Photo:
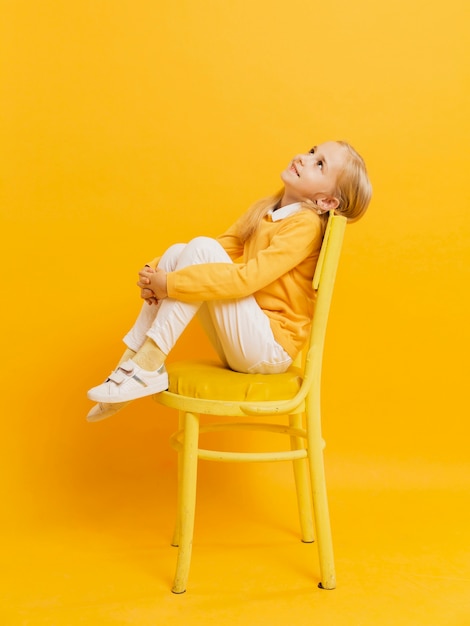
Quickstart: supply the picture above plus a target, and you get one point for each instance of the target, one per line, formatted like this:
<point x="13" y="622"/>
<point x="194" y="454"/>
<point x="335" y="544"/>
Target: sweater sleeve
<point x="296" y="238"/>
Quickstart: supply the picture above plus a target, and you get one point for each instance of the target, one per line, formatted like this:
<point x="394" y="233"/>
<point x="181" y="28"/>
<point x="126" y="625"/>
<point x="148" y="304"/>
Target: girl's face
<point x="313" y="176"/>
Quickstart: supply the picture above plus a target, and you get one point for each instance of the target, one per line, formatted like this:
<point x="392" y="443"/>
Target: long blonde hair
<point x="353" y="191"/>
<point x="353" y="188"/>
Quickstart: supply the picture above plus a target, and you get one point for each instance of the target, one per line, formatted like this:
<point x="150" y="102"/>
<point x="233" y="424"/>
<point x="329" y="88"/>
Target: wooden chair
<point x="210" y="389"/>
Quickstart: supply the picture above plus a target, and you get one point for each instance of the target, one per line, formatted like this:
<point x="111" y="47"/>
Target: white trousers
<point x="238" y="329"/>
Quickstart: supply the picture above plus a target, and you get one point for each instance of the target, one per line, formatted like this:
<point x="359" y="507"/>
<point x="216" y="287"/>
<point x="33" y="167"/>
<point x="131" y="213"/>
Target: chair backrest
<point x="323" y="284"/>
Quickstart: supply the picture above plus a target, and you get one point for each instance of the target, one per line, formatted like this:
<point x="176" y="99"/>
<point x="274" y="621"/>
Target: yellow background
<point x="127" y="126"/>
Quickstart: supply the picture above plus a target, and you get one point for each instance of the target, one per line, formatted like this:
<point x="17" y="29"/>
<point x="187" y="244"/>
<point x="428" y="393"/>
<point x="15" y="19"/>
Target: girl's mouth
<point x="294" y="169"/>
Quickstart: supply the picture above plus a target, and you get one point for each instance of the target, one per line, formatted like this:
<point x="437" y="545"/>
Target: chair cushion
<point x="213" y="381"/>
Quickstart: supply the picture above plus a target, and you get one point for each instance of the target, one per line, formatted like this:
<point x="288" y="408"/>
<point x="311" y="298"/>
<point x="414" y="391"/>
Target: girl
<point x="251" y="287"/>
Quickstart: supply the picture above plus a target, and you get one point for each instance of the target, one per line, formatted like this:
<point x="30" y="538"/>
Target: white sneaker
<point x="102" y="410"/>
<point x="130" y="382"/>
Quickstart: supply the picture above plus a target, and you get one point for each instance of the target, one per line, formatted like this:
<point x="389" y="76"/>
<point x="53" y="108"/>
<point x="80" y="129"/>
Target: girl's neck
<point x="285" y="200"/>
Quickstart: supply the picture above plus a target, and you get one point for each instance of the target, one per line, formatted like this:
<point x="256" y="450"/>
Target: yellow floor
<point x="401" y="537"/>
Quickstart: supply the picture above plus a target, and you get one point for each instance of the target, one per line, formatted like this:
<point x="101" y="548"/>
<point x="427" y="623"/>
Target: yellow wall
<point x="128" y="125"/>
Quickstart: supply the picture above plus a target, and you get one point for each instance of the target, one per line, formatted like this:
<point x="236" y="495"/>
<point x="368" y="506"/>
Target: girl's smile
<point x="294" y="169"/>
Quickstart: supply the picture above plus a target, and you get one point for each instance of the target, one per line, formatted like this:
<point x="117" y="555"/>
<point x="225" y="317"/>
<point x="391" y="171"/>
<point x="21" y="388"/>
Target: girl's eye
<point x="319" y="162"/>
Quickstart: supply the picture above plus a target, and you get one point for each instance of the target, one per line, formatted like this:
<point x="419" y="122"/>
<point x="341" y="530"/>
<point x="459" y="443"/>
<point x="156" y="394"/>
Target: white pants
<point x="238" y="329"/>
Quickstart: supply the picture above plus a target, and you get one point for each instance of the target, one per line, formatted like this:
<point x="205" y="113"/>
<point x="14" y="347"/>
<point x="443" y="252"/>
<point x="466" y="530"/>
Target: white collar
<point x="285" y="211"/>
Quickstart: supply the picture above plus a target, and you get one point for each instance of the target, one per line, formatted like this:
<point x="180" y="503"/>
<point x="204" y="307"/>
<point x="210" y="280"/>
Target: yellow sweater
<point x="276" y="265"/>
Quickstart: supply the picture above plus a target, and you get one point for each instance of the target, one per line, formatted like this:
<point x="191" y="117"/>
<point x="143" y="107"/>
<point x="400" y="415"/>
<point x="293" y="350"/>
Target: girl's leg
<point x="135" y="338"/>
<point x="173" y="315"/>
<point x="132" y="380"/>
<point x="241" y="334"/>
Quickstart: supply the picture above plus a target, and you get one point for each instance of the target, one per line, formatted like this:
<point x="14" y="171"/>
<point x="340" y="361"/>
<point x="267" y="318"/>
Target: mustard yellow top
<point x="276" y="265"/>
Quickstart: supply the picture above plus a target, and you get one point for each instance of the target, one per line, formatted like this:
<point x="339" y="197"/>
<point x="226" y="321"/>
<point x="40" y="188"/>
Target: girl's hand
<point x="148" y="296"/>
<point x="153" y="280"/>
<point x="145" y="292"/>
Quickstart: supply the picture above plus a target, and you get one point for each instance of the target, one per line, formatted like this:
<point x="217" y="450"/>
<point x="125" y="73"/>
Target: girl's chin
<point x="287" y="175"/>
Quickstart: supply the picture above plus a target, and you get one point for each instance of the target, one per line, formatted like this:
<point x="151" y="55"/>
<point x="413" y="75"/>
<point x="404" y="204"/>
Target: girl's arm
<point x="298" y="237"/>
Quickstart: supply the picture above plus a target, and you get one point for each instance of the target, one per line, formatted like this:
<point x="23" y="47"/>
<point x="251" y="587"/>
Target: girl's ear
<point x="328" y="203"/>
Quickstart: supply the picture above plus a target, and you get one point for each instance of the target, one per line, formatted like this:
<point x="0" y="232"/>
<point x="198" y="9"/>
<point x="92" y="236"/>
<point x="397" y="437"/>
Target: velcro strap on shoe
<point x="119" y="376"/>
<point x="127" y="366"/>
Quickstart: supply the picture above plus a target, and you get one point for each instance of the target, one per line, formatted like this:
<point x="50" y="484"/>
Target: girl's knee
<point x="204" y="242"/>
<point x="170" y="257"/>
<point x="206" y="249"/>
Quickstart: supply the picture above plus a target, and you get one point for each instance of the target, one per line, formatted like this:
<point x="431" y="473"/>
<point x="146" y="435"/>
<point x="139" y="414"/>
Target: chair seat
<point x="212" y="381"/>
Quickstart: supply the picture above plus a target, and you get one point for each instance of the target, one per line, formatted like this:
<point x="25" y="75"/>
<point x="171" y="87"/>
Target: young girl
<point x="251" y="287"/>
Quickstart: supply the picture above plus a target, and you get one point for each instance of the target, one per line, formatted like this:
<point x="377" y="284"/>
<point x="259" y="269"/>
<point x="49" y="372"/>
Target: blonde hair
<point x="353" y="191"/>
<point x="353" y="188"/>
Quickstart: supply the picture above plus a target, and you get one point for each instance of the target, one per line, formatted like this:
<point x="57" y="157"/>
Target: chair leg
<point x="302" y="484"/>
<point x="320" y="505"/>
<point x="187" y="500"/>
<point x="176" y="531"/>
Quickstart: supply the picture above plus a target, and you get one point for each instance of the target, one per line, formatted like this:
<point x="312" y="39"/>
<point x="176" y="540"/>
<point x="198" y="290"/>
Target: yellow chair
<point x="210" y="389"/>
